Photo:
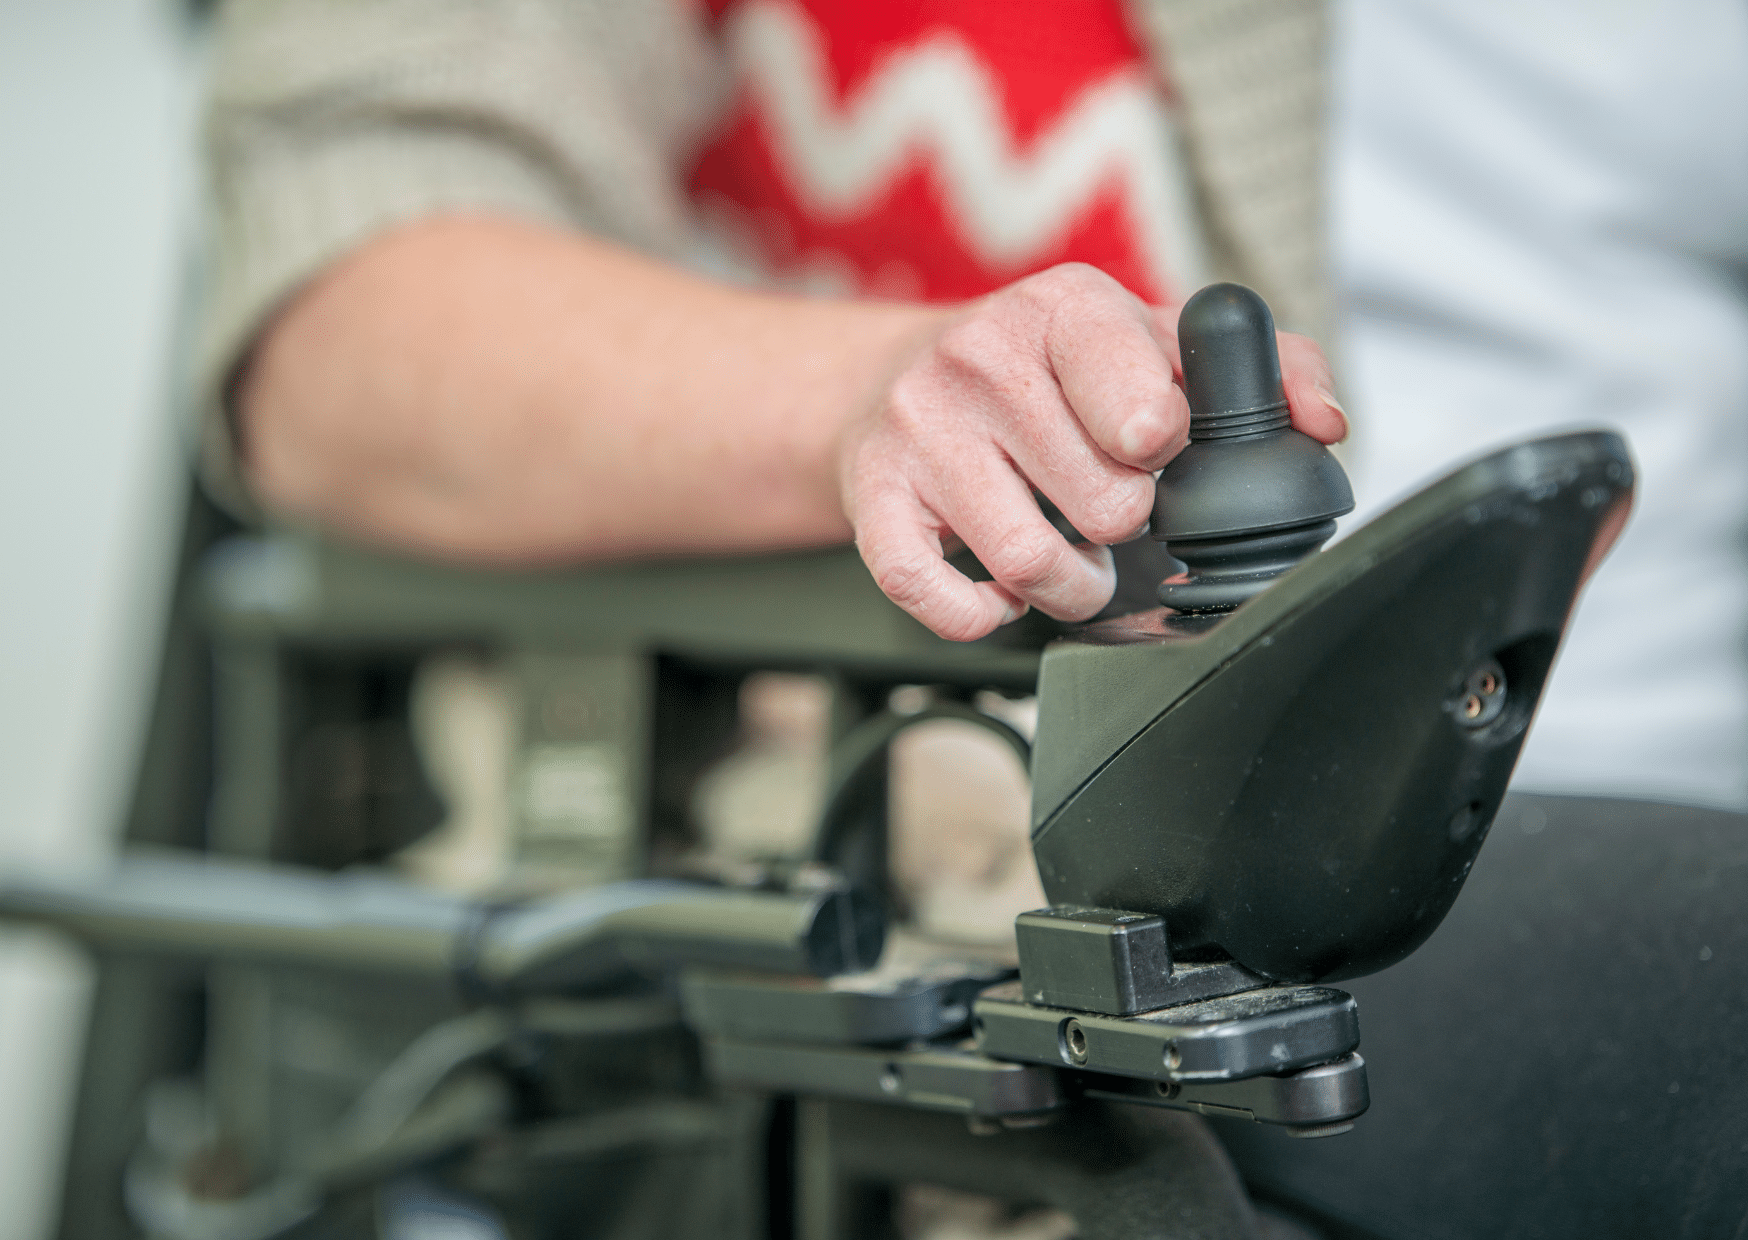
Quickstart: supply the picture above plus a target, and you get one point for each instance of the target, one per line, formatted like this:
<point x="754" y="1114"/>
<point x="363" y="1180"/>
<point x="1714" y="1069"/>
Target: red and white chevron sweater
<point x="938" y="149"/>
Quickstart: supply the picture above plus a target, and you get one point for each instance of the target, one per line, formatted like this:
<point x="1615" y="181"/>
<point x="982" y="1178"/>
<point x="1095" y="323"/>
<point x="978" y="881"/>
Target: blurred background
<point x="97" y="105"/>
<point x="1529" y="232"/>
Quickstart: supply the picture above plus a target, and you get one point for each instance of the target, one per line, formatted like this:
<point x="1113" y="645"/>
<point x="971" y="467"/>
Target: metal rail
<point x="199" y="908"/>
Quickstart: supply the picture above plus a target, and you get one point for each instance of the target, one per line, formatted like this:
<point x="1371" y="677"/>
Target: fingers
<point x="1311" y="389"/>
<point x="1305" y="375"/>
<point x="991" y="508"/>
<point x="903" y="553"/>
<point x="1106" y="500"/>
<point x="1064" y="382"/>
<point x="992" y="511"/>
<point x="1162" y="321"/>
<point x="1062" y="375"/>
<point x="1100" y="345"/>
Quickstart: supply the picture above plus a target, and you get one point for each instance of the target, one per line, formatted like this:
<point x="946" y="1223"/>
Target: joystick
<point x="1249" y="497"/>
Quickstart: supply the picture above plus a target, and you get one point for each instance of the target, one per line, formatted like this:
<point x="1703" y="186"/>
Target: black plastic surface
<point x="1319" y="1101"/>
<point x="1094" y="959"/>
<point x="946" y="1077"/>
<point x="1260" y="1031"/>
<point x="1567" y="1058"/>
<point x="1296" y="785"/>
<point x="935" y="1078"/>
<point x="1109" y="961"/>
<point x="866" y="1008"/>
<point x="1249" y="497"/>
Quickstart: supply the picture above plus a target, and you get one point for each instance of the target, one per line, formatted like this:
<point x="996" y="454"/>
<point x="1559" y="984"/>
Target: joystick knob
<point x="1249" y="497"/>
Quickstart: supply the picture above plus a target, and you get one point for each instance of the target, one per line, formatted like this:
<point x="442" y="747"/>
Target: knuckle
<point x="1159" y="439"/>
<point x="1152" y="440"/>
<point x="910" y="582"/>
<point x="1028" y="560"/>
<point x="1116" y="511"/>
<point x="1070" y="279"/>
<point x="1081" y="306"/>
<point x="908" y="402"/>
<point x="977" y="345"/>
<point x="903" y="579"/>
<point x="1043" y="291"/>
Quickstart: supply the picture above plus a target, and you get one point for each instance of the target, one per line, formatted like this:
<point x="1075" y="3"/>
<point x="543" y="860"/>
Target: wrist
<point x="891" y="338"/>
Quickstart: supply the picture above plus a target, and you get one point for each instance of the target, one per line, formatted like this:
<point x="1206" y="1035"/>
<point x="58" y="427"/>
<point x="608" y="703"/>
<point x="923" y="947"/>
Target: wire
<point x="854" y="756"/>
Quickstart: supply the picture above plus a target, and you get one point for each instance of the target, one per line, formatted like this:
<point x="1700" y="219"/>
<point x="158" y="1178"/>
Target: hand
<point x="1063" y="383"/>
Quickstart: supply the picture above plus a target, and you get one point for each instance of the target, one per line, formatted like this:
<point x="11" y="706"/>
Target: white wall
<point x="95" y="134"/>
<point x="1541" y="224"/>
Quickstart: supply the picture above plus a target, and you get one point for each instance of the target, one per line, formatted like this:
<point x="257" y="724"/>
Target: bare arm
<point x="495" y="391"/>
<point x="486" y="390"/>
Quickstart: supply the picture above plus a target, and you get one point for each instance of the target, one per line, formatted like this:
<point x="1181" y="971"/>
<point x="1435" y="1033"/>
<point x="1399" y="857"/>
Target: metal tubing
<point x="639" y="926"/>
<point x="200" y="908"/>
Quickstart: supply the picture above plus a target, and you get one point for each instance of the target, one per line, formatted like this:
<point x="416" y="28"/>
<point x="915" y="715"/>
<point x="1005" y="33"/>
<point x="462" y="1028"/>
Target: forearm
<point x="477" y="389"/>
<point x="486" y="390"/>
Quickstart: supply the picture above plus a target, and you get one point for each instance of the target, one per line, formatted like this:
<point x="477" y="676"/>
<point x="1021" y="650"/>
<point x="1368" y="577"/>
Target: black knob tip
<point x="1232" y="369"/>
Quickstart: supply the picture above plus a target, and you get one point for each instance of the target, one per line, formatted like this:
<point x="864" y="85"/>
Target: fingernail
<point x="1328" y="398"/>
<point x="1014" y="612"/>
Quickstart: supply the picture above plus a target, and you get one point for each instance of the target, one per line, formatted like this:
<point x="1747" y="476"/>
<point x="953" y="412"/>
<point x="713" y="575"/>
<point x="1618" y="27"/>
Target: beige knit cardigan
<point x="332" y="120"/>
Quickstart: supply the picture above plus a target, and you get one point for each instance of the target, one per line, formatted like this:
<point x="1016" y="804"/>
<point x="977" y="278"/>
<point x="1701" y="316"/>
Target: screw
<point x="891" y="1079"/>
<point x="1074" y="1040"/>
<point x="1174" y="1058"/>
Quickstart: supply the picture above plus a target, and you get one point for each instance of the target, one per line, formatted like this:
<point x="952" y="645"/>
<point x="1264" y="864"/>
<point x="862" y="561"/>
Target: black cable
<point x="867" y="743"/>
<point x="472" y="987"/>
